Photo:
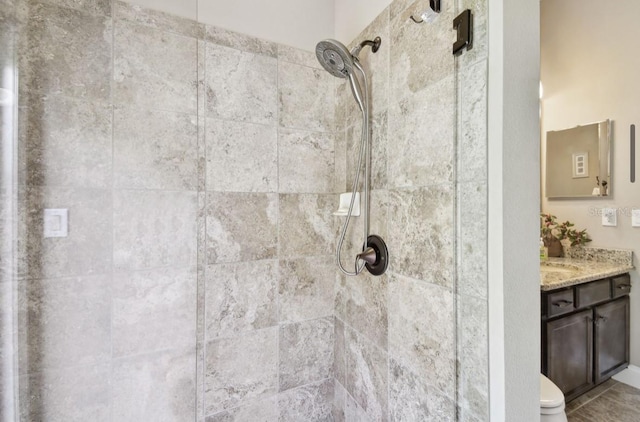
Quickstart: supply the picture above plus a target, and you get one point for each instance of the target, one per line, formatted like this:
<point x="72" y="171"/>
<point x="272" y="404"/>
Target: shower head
<point x="335" y="58"/>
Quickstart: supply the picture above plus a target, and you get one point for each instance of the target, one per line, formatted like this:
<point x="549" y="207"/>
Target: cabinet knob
<point x="624" y="286"/>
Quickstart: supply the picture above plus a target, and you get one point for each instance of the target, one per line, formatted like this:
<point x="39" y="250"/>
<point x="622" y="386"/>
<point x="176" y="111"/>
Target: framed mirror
<point x="578" y="162"/>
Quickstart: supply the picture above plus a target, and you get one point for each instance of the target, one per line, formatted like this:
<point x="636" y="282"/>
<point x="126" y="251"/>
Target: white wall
<point x="296" y="23"/>
<point x="352" y="16"/>
<point x="590" y="72"/>
<point x="514" y="271"/>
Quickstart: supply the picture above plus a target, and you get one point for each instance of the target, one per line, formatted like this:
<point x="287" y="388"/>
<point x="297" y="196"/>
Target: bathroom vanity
<point x="585" y="320"/>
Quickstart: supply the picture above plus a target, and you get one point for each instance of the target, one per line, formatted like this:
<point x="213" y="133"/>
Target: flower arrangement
<point x="550" y="228"/>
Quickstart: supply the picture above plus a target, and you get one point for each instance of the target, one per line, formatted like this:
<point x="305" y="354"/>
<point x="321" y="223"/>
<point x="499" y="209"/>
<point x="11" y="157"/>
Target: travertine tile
<point x="154" y="69"/>
<point x="347" y="114"/>
<point x="241" y="86"/>
<point x="423" y="337"/>
<point x="367" y="376"/>
<point x="411" y="399"/>
<point x="339" y="352"/>
<point x="67" y="52"/>
<point x="81" y="394"/>
<point x="306" y="161"/>
<point x="241" y="226"/>
<point x="340" y="154"/>
<point x="472" y="123"/>
<point x="366" y="307"/>
<point x="93" y="7"/>
<point x="158" y="387"/>
<point x="472" y="239"/>
<point x="146" y="303"/>
<point x="76" y="153"/>
<point x="306" y="98"/>
<point x="420" y="54"/>
<point x="306" y="224"/>
<point x="239" y="41"/>
<point x="260" y="411"/>
<point x="241" y="369"/>
<point x="376" y="64"/>
<point x="158" y="20"/>
<point x="297" y="56"/>
<point x="423" y="125"/>
<point x="339" y="402"/>
<point x="345" y="409"/>
<point x="306" y="352"/>
<point x="421" y="233"/>
<point x="311" y="402"/>
<point x="154" y="229"/>
<point x="154" y="150"/>
<point x="240" y="297"/>
<point x="89" y="218"/>
<point x="479" y="10"/>
<point x="306" y="289"/>
<point x="473" y="356"/>
<point x="241" y="157"/>
<point x="66" y="322"/>
<point x="379" y="153"/>
<point x="398" y="6"/>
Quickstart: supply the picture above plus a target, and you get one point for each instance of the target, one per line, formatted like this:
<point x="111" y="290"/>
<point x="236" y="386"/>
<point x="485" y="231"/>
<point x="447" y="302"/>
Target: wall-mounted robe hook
<point x="429" y="15"/>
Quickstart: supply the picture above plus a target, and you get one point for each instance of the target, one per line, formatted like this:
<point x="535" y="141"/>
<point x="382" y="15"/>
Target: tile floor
<point x="611" y="401"/>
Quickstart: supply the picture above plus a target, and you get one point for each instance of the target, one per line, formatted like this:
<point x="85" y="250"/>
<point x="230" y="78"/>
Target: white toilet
<point x="551" y="402"/>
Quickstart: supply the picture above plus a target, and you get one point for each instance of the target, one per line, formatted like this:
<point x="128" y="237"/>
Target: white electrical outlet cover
<point x="635" y="218"/>
<point x="609" y="217"/>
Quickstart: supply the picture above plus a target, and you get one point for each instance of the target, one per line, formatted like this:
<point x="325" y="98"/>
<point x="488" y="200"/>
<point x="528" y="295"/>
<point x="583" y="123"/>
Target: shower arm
<point x="375" y="45"/>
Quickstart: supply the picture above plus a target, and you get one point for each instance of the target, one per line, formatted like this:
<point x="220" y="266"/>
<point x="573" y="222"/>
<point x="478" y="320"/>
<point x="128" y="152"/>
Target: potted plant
<point x="556" y="235"/>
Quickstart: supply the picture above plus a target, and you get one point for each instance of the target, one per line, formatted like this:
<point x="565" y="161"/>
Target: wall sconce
<point x="430" y="14"/>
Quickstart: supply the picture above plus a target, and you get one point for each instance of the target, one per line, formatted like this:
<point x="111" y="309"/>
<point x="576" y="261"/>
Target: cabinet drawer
<point x="620" y="285"/>
<point x="594" y="292"/>
<point x="559" y="303"/>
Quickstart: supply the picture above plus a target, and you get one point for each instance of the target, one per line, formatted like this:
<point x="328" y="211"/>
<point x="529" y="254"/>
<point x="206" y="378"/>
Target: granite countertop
<point x="582" y="266"/>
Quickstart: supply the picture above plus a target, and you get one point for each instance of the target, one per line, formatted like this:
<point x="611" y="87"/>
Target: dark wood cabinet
<point x="611" y="338"/>
<point x="585" y="334"/>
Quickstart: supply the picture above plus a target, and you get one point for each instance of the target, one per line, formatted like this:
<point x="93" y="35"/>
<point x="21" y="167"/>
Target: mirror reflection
<point x="579" y="161"/>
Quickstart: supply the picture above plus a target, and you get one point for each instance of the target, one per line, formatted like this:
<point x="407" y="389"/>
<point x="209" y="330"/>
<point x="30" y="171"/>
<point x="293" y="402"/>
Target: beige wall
<point x="590" y="74"/>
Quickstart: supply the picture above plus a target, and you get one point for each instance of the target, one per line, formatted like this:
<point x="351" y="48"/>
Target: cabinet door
<point x="570" y="353"/>
<point x="611" y="338"/>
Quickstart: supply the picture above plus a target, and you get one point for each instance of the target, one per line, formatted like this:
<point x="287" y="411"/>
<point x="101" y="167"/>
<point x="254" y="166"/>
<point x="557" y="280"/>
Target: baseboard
<point x="630" y="376"/>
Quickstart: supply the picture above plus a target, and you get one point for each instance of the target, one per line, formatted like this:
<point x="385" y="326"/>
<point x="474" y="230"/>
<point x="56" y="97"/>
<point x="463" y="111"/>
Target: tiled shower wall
<point x="198" y="168"/>
<point x="412" y="345"/>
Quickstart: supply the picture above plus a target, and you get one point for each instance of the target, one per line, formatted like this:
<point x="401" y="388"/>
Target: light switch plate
<point x="609" y="217"/>
<point x="56" y="222"/>
<point x="635" y="218"/>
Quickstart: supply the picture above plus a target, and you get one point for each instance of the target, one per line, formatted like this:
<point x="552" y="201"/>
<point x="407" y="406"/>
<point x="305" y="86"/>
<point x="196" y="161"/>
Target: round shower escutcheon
<point x="382" y="255"/>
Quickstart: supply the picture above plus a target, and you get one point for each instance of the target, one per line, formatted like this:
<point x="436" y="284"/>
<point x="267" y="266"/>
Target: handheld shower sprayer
<point x="338" y="61"/>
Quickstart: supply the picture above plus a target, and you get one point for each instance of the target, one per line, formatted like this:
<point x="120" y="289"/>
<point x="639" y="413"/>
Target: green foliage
<point x="549" y="227"/>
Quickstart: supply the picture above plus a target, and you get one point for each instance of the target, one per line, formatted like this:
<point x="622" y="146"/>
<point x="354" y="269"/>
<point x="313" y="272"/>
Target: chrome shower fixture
<point x="342" y="63"/>
<point x="430" y="14"/>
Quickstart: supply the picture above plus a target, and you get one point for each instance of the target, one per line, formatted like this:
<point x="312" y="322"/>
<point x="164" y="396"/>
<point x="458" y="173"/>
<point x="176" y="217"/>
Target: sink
<point x="546" y="269"/>
<point x="558" y="267"/>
